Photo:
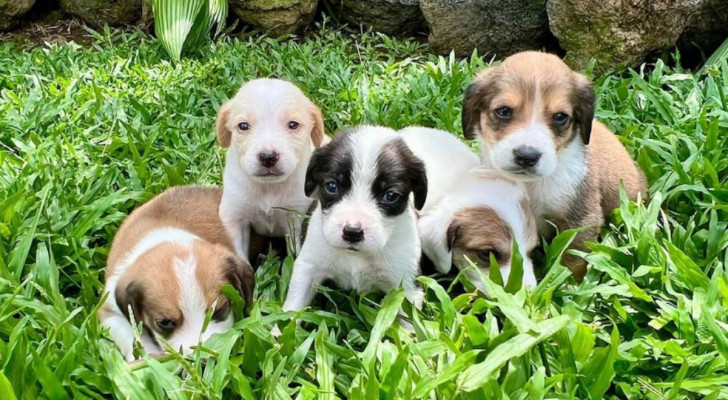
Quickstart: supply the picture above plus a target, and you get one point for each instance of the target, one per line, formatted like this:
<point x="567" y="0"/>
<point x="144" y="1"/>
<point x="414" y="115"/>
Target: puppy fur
<point x="167" y="263"/>
<point x="270" y="129"/>
<point x="469" y="212"/>
<point x="363" y="233"/>
<point x="534" y="117"/>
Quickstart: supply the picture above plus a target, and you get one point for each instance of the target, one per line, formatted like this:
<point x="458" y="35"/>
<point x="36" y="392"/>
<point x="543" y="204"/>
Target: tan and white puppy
<point x="469" y="212"/>
<point x="270" y="129"/>
<point x="534" y="117"/>
<point x="167" y="263"/>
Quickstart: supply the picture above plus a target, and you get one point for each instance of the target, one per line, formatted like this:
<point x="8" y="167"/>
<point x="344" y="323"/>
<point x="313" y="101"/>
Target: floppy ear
<point x="452" y="234"/>
<point x="418" y="180"/>
<point x="241" y="277"/>
<point x="223" y="133"/>
<point x="584" y="101"/>
<point x="313" y="171"/>
<point x="317" y="132"/>
<point x="130" y="296"/>
<point x="476" y="100"/>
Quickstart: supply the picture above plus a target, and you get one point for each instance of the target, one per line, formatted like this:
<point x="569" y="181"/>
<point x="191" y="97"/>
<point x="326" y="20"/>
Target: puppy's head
<point x="527" y="111"/>
<point x="363" y="180"/>
<point x="170" y="288"/>
<point x="272" y="125"/>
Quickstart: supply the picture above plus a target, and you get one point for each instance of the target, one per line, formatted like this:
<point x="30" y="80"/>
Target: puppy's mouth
<point x="528" y="174"/>
<point x="266" y="174"/>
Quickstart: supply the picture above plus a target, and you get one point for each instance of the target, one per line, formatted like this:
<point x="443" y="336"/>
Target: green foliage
<point x="186" y="24"/>
<point x="87" y="134"/>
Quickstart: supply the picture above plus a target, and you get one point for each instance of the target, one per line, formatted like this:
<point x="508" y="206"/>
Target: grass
<point x="87" y="134"/>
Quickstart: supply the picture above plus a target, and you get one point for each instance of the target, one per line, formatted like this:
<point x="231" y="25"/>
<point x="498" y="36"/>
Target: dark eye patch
<point x="393" y="167"/>
<point x="333" y="162"/>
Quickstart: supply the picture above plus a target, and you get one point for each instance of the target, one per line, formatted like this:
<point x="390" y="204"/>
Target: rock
<point x="617" y="33"/>
<point x="97" y="13"/>
<point x="386" y="16"/>
<point x="707" y="28"/>
<point x="495" y="27"/>
<point x="11" y="11"/>
<point x="278" y="17"/>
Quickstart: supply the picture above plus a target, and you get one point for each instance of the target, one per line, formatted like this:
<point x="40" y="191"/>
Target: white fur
<point x="456" y="181"/>
<point x="387" y="257"/>
<point x="264" y="202"/>
<point x="191" y="301"/>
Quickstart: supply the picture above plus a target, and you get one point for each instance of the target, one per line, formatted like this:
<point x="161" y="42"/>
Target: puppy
<point x="363" y="233"/>
<point x="535" y="119"/>
<point x="167" y="264"/>
<point x="270" y="128"/>
<point x="470" y="213"/>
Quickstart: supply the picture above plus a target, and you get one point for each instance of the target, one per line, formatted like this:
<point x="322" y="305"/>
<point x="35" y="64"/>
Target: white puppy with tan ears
<point x="363" y="232"/>
<point x="469" y="212"/>
<point x="535" y="119"/>
<point x="166" y="266"/>
<point x="271" y="128"/>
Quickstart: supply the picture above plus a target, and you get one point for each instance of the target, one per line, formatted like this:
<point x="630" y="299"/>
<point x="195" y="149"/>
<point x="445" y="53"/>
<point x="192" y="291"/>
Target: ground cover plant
<point x="87" y="134"/>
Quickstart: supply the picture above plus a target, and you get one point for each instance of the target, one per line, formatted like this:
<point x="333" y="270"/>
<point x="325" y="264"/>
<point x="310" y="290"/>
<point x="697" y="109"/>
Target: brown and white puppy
<point x="470" y="213"/>
<point x="270" y="129"/>
<point x="534" y="117"/>
<point x="167" y="263"/>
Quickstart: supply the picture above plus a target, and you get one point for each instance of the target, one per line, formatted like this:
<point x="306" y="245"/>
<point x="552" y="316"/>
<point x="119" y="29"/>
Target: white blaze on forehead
<point x="192" y="303"/>
<point x="367" y="144"/>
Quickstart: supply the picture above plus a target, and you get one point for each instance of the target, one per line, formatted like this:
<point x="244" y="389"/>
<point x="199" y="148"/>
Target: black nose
<point x="353" y="233"/>
<point x="526" y="156"/>
<point x="268" y="159"/>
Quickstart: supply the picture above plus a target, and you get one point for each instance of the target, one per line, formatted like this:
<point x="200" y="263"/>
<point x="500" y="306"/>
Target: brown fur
<point x="534" y="77"/>
<point x="477" y="229"/>
<point x="149" y="285"/>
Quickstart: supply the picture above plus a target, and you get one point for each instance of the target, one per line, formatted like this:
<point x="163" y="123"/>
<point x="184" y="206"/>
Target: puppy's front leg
<point x="239" y="233"/>
<point x="302" y="289"/>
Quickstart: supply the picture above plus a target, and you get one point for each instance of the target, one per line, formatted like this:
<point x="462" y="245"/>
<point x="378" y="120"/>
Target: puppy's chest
<point x="360" y="273"/>
<point x="274" y="215"/>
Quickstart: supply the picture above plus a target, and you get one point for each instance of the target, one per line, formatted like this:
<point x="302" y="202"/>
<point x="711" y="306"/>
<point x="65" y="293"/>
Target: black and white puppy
<point x="363" y="233"/>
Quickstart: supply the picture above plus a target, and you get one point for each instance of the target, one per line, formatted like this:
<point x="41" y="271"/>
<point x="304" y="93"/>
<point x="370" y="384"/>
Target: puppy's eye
<point x="166" y="324"/>
<point x="331" y="187"/>
<point x="504" y="112"/>
<point x="485" y="254"/>
<point x="293" y="125"/>
<point x="560" y="118"/>
<point x="391" y="196"/>
<point x="243" y="126"/>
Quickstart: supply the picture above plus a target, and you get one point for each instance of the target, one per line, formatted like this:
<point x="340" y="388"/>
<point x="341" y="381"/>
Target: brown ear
<point x="130" y="296"/>
<point x="223" y="133"/>
<point x="477" y="100"/>
<point x="317" y="132"/>
<point x="584" y="101"/>
<point x="452" y="234"/>
<point x="241" y="276"/>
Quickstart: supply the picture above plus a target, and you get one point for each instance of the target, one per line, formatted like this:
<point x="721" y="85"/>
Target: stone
<point x="277" y="17"/>
<point x="617" y="33"/>
<point x="494" y="27"/>
<point x="98" y="13"/>
<point x="706" y="30"/>
<point x="386" y="16"/>
<point x="11" y="12"/>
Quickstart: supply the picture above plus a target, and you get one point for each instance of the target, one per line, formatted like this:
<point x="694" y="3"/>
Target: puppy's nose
<point x="353" y="233"/>
<point x="268" y="159"/>
<point x="526" y="156"/>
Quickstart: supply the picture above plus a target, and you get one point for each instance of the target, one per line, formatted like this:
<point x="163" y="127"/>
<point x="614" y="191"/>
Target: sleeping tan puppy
<point x="167" y="263"/>
<point x="270" y="129"/>
<point x="534" y="117"/>
<point x="470" y="214"/>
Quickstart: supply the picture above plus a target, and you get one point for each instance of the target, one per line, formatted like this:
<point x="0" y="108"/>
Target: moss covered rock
<point x="617" y="33"/>
<point x="278" y="17"/>
<point x="386" y="16"/>
<point x="97" y="13"/>
<point x="11" y="11"/>
<point x="494" y="27"/>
